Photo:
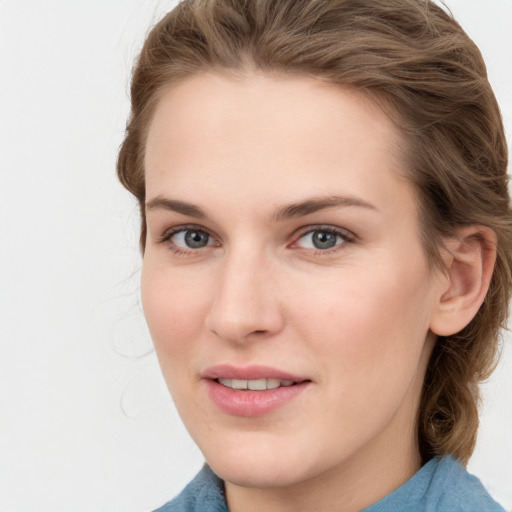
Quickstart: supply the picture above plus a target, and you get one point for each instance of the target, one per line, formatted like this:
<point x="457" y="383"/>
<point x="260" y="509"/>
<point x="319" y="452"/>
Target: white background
<point x="85" y="421"/>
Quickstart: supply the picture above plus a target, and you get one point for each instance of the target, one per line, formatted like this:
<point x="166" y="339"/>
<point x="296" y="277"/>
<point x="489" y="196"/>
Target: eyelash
<point x="167" y="238"/>
<point x="345" y="235"/>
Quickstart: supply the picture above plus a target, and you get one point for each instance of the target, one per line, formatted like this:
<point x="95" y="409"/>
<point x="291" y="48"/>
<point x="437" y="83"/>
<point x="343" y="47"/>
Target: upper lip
<point x="253" y="372"/>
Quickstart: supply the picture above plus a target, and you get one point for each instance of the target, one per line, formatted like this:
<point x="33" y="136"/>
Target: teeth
<point x="255" y="385"/>
<point x="272" y="383"/>
<point x="239" y="384"/>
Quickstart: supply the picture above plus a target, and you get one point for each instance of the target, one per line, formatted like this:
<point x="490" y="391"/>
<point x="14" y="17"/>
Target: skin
<point x="355" y="319"/>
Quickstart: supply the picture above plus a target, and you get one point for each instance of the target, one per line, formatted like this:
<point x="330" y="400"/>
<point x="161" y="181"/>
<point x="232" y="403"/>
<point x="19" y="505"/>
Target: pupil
<point x="196" y="239"/>
<point x="324" y="240"/>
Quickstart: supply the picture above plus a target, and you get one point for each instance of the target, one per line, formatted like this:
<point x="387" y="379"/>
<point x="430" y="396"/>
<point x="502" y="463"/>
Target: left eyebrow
<point x="313" y="205"/>
<point x="173" y="205"/>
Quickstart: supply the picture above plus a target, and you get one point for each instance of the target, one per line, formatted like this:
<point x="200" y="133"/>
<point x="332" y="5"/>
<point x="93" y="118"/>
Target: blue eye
<point x="191" y="239"/>
<point x="321" y="239"/>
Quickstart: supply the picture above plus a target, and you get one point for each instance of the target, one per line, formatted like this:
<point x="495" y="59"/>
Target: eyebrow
<point x="313" y="205"/>
<point x="290" y="211"/>
<point x="163" y="203"/>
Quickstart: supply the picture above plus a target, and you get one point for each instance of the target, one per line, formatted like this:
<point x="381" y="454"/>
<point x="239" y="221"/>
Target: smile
<point x="256" y="384"/>
<point x="252" y="391"/>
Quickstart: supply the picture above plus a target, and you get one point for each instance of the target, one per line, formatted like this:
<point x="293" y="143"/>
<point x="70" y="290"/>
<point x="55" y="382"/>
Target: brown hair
<point x="418" y="63"/>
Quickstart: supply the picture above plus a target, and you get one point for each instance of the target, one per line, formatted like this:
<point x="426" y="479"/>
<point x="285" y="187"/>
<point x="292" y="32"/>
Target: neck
<point x="372" y="472"/>
<point x="349" y="487"/>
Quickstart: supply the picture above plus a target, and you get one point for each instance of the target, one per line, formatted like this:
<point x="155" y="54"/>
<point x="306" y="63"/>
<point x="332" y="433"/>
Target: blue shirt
<point x="441" y="485"/>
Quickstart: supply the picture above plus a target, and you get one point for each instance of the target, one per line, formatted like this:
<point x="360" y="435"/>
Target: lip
<point x="247" y="403"/>
<point x="253" y="372"/>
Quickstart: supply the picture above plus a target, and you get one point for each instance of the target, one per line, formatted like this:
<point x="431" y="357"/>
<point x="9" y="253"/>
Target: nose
<point x="245" y="305"/>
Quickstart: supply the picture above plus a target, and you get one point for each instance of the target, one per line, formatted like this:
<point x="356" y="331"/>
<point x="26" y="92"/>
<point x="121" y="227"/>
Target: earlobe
<point x="469" y="258"/>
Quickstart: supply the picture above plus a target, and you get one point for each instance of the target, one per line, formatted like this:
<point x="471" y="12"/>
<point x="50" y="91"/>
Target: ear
<point x="469" y="258"/>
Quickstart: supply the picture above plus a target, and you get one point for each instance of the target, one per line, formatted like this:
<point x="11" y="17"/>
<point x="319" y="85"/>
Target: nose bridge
<point x="245" y="302"/>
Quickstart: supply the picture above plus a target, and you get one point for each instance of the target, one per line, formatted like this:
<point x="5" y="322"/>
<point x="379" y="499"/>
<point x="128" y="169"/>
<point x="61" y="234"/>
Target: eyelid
<point x="166" y="236"/>
<point x="345" y="234"/>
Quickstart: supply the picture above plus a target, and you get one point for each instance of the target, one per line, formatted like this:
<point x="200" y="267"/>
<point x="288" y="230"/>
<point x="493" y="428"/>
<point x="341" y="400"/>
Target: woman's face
<point x="283" y="255"/>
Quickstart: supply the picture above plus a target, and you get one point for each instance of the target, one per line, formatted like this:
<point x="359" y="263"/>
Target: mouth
<point x="255" y="384"/>
<point x="252" y="373"/>
<point x="252" y="391"/>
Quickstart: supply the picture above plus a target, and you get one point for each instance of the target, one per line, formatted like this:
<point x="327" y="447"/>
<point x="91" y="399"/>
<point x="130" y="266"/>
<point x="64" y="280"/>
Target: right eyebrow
<point x="164" y="203"/>
<point x="315" y="204"/>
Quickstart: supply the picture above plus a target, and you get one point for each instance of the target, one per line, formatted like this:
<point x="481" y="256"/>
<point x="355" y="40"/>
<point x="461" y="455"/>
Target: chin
<point x="258" y="464"/>
<point x="254" y="474"/>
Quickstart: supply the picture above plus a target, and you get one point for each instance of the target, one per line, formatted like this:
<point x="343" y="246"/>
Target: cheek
<point x="174" y="312"/>
<point x="370" y="324"/>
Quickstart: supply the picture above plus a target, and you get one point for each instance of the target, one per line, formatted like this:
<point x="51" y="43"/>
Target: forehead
<point x="269" y="135"/>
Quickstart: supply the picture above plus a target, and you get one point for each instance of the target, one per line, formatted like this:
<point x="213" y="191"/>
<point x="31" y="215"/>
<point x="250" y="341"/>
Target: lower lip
<point x="251" y="403"/>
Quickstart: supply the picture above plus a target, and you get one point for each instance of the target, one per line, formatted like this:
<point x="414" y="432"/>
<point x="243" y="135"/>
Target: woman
<point x="326" y="234"/>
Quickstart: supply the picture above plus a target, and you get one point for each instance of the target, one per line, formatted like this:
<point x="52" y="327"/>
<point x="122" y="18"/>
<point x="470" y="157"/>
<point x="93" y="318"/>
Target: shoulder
<point x="454" y="489"/>
<point x="205" y="493"/>
<point x="441" y="485"/>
